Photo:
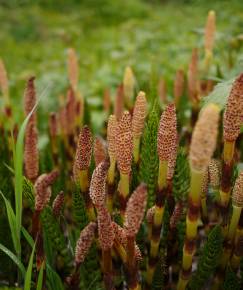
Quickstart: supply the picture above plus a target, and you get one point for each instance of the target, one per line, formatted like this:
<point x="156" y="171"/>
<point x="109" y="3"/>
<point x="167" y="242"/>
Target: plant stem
<point x="136" y="147"/>
<point x="111" y="184"/>
<point x="107" y="268"/>
<point x="157" y="220"/>
<point x="123" y="188"/>
<point x="192" y="220"/>
<point x="132" y="270"/>
<point x="234" y="222"/>
<point x="84" y="187"/>
<point x="228" y="154"/>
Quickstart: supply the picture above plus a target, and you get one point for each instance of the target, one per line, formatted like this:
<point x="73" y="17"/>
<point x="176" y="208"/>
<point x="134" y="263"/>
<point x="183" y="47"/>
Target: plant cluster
<point x="152" y="202"/>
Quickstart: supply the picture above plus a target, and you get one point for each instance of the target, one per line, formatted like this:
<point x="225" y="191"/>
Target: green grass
<point x="108" y="35"/>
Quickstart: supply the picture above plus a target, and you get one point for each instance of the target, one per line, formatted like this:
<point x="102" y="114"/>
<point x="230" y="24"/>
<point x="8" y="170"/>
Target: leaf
<point x="28" y="237"/>
<point x="27" y="282"/>
<point x="11" y="220"/>
<point x="14" y="258"/>
<point x="208" y="259"/>
<point x="231" y="281"/>
<point x="55" y="282"/>
<point x="219" y="95"/>
<point x="40" y="277"/>
<point x="148" y="172"/>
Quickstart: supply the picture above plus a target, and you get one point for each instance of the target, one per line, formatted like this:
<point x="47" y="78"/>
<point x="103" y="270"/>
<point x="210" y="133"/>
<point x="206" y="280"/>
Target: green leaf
<point x="27" y="282"/>
<point x="219" y="95"/>
<point x="231" y="281"/>
<point x="11" y="220"/>
<point x="54" y="281"/>
<point x="148" y="171"/>
<point x="57" y="239"/>
<point x="14" y="258"/>
<point x="40" y="277"/>
<point x="159" y="277"/>
<point x="208" y="259"/>
<point x="181" y="178"/>
<point x="79" y="209"/>
<point x="28" y="237"/>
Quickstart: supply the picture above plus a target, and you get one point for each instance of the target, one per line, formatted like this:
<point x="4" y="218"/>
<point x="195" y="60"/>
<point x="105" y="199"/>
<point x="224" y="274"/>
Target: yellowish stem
<point x="111" y="171"/>
<point x="229" y="148"/>
<point x="136" y="147"/>
<point x="191" y="225"/>
<point x="84" y="180"/>
<point x="124" y="184"/>
<point x="162" y="177"/>
<point x="234" y="222"/>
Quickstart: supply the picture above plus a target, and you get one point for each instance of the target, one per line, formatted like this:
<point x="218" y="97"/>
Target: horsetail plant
<point x="31" y="153"/>
<point x="57" y="204"/>
<point x="157" y="213"/>
<point x="167" y="138"/>
<point x="106" y="240"/>
<point x="111" y="140"/>
<point x="178" y="87"/>
<point x="237" y="205"/>
<point x="134" y="213"/>
<point x="231" y="125"/>
<point x="201" y="150"/>
<point x="100" y="153"/>
<point x="209" y="37"/>
<point x="73" y="68"/>
<point x="83" y="245"/>
<point x="81" y="167"/>
<point x="54" y="132"/>
<point x="138" y="118"/>
<point x="124" y="147"/>
<point x="128" y="86"/>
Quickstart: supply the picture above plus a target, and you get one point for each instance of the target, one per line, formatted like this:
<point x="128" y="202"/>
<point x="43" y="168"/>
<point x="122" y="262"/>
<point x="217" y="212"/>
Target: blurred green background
<point x="108" y="35"/>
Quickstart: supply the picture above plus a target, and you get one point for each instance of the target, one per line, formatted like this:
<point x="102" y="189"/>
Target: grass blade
<point x="28" y="237"/>
<point x="11" y="221"/>
<point x="54" y="280"/>
<point x="27" y="282"/>
<point x="13" y="258"/>
<point x="18" y="169"/>
<point x="40" y="277"/>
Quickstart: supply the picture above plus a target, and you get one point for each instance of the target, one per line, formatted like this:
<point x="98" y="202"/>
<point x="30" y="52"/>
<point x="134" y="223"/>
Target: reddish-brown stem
<point x="107" y="269"/>
<point x="73" y="280"/>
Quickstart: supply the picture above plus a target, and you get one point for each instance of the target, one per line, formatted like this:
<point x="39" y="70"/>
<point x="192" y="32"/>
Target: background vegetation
<point x="109" y="35"/>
